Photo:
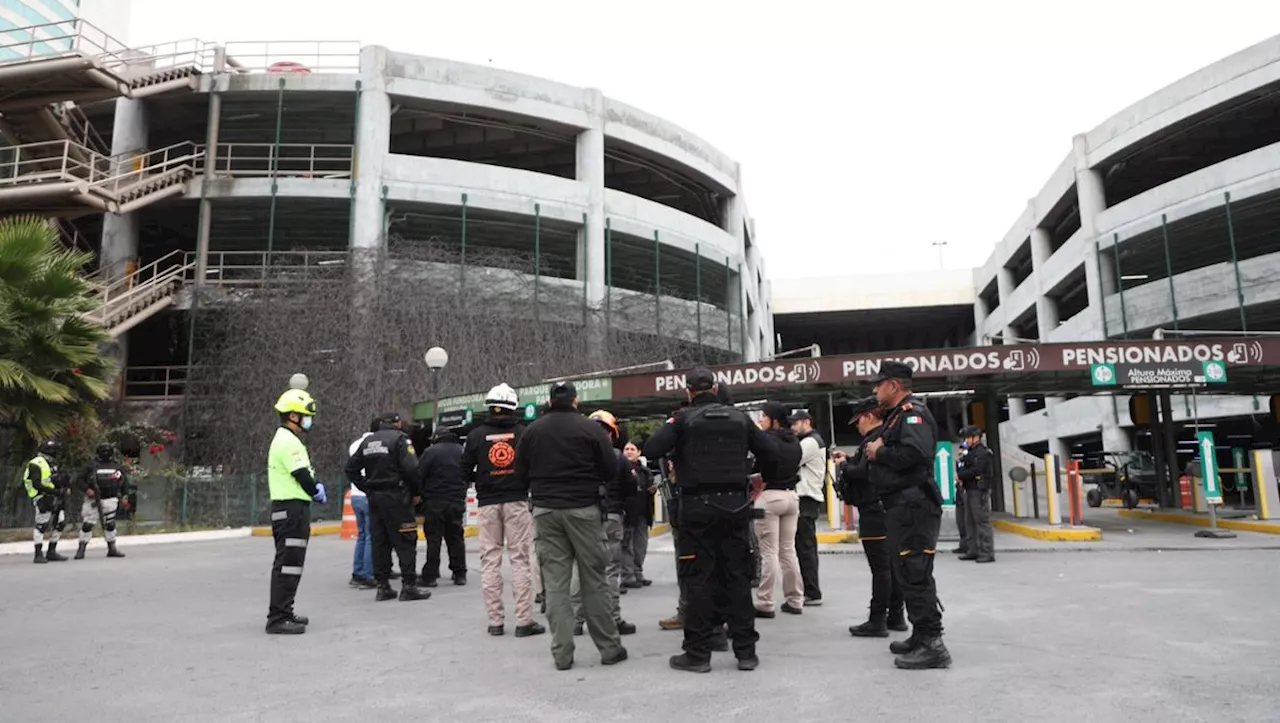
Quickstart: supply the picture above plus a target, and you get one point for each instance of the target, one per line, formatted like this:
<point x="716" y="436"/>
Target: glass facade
<point x="32" y="28"/>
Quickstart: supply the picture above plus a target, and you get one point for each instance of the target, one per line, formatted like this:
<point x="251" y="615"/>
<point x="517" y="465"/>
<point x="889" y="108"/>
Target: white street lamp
<point x="436" y="359"/>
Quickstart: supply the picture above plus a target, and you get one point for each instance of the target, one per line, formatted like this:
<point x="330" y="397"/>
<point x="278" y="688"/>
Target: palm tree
<point x="52" y="365"/>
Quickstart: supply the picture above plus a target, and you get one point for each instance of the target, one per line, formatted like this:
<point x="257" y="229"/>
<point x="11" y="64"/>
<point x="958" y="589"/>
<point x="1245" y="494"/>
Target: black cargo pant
<point x="962" y="521"/>
<point x="443" y="522"/>
<point x="393" y="526"/>
<point x="914" y="519"/>
<point x="886" y="594"/>
<point x="977" y="519"/>
<point x="807" y="546"/>
<point x="714" y="562"/>
<point x="291" y="529"/>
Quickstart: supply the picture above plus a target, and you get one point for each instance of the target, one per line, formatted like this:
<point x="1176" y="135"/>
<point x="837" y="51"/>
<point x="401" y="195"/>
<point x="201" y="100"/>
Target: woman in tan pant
<point x="781" y="505"/>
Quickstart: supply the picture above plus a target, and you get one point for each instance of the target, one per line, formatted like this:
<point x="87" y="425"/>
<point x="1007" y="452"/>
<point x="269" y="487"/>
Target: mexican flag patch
<point x="914" y="419"/>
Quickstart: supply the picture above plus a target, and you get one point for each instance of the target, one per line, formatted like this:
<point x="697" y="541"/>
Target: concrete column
<point x="1046" y="308"/>
<point x="734" y="223"/>
<point x="373" y="142"/>
<point x="1091" y="195"/>
<point x="590" y="171"/>
<point x="120" y="233"/>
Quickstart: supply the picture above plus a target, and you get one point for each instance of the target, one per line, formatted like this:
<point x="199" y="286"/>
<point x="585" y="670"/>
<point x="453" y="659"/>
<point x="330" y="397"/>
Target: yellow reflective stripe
<point x="904" y="553"/>
<point x="930" y="552"/>
<point x="688" y="557"/>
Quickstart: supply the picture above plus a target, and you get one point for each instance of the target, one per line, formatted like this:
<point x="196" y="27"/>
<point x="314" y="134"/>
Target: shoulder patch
<point x="410" y="446"/>
<point x="914" y="419"/>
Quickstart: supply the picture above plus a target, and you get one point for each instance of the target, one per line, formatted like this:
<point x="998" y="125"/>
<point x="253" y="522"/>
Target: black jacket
<point x="708" y="443"/>
<point x="488" y="460"/>
<point x="640" y="505"/>
<point x="783" y="471"/>
<point x="619" y="488"/>
<point x="906" y="459"/>
<point x="110" y="478"/>
<point x="974" y="468"/>
<point x="855" y="478"/>
<point x="564" y="459"/>
<point x="440" y="470"/>
<point x="388" y="462"/>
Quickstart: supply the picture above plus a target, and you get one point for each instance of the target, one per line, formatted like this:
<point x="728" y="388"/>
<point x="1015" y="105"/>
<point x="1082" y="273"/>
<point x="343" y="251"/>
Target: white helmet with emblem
<point x="502" y="397"/>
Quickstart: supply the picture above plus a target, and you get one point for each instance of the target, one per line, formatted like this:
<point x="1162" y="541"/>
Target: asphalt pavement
<point x="174" y="632"/>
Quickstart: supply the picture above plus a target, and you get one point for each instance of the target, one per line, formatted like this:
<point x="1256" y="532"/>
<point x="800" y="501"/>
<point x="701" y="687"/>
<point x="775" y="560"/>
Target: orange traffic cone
<point x="349" y="529"/>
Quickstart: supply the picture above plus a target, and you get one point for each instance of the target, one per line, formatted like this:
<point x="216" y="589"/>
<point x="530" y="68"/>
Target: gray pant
<point x="635" y="545"/>
<point x="565" y="540"/>
<point x="612" y="571"/>
<point x="977" y="511"/>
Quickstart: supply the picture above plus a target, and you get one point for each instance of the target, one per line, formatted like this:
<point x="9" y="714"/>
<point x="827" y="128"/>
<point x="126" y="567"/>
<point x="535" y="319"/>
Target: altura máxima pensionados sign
<point x="965" y="362"/>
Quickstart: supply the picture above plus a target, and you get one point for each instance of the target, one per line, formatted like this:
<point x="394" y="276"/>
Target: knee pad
<point x="62" y="525"/>
<point x="42" y="527"/>
<point x="110" y="526"/>
<point x="86" y="527"/>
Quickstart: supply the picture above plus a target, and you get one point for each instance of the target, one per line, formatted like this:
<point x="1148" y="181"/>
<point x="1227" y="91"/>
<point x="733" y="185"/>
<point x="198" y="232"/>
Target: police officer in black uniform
<point x="855" y="488"/>
<point x="708" y="443"/>
<point x="901" y="468"/>
<point x="975" y="474"/>
<point x="385" y="467"/>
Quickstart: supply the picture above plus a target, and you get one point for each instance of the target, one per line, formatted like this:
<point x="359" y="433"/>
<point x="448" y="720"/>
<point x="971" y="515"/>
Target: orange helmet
<point x="609" y="421"/>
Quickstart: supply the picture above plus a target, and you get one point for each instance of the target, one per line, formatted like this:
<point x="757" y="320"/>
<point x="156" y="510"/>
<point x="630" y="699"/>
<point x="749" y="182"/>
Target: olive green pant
<point x="612" y="573"/>
<point x="563" y="539"/>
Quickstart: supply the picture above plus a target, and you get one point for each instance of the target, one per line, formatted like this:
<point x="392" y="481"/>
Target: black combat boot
<point x="53" y="555"/>
<point x="524" y="631"/>
<point x="460" y="578"/>
<point x="874" y="627"/>
<point x="39" y="558"/>
<point x="286" y="627"/>
<point x="902" y="647"/>
<point x="409" y="591"/>
<point x="930" y="653"/>
<point x="897" y="621"/>
<point x="385" y="591"/>
<point x="80" y="551"/>
<point x="112" y="551"/>
<point x="690" y="665"/>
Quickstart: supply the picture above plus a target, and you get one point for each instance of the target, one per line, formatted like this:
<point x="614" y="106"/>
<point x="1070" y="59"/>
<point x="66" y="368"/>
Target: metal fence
<point x="167" y="504"/>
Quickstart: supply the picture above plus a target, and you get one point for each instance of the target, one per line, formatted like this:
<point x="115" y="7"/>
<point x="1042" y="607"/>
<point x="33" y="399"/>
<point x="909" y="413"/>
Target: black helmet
<point x="50" y="448"/>
<point x="106" y="452"/>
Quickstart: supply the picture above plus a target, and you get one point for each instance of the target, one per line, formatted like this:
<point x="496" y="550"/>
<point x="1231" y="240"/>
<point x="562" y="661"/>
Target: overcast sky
<point x="866" y="130"/>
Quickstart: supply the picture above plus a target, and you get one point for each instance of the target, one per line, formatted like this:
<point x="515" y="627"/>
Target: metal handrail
<point x="75" y="121"/>
<point x="156" y="269"/>
<point x="294" y="56"/>
<point x="314" y="160"/>
<point x="184" y="156"/>
<point x="63" y="160"/>
<point x="232" y="268"/>
<point x="171" y="380"/>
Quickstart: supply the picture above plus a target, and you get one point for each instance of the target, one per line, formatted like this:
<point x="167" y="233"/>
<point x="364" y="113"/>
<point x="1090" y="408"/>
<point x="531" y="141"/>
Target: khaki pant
<point x="777" y="534"/>
<point x="563" y="539"/>
<point x="508" y="525"/>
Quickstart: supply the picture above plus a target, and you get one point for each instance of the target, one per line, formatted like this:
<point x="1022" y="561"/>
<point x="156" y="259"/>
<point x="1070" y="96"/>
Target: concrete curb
<point x="1182" y="518"/>
<point x="1046" y="532"/>
<point x="69" y="540"/>
<point x="334" y="528"/>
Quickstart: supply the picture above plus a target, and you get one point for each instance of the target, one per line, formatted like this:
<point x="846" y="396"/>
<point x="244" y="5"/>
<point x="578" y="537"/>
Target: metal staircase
<point x="65" y="179"/>
<point x="137" y="296"/>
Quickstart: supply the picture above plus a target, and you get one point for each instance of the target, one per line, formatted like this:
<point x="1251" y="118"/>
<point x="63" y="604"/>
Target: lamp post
<point x="436" y="358"/>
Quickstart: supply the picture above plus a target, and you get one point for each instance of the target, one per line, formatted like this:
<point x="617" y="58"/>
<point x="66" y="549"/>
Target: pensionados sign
<point x="965" y="362"/>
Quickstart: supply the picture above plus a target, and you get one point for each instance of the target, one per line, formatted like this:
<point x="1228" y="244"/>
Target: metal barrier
<point x="294" y="56"/>
<point x="254" y="160"/>
<point x="256" y="267"/>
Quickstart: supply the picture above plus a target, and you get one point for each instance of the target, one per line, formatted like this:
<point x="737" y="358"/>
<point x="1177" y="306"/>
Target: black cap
<point x="970" y="431"/>
<point x="724" y="394"/>
<point x="800" y="415"/>
<point x="389" y="418"/>
<point x="564" y="390"/>
<point x="775" y="411"/>
<point x="891" y="370"/>
<point x="700" y="379"/>
<point x="862" y="406"/>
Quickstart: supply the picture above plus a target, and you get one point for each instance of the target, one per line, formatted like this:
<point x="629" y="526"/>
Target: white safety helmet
<point x="502" y="397"/>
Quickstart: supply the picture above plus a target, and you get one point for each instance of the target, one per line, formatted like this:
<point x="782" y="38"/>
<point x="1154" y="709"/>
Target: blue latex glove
<point x="320" y="496"/>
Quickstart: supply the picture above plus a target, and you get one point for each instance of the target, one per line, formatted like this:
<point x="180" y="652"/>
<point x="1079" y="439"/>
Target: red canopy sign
<point x="964" y="362"/>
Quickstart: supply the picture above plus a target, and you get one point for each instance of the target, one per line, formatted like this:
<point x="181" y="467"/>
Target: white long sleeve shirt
<point x="813" y="468"/>
<point x="351" y="451"/>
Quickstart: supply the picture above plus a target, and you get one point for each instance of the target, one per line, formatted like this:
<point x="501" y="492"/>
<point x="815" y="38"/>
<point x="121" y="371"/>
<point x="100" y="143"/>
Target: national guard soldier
<point x="292" y="484"/>
<point x="708" y="442"/>
<point x="386" y="468"/>
<point x="47" y="488"/>
<point x="974" y="472"/>
<point x="105" y="484"/>
<point x="901" y="468"/>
